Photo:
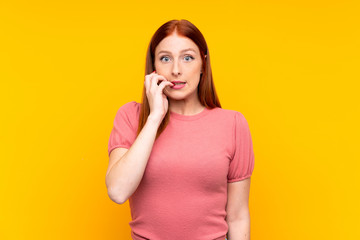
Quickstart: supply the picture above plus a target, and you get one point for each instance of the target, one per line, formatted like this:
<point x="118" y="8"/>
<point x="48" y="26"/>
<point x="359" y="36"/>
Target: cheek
<point x="156" y="65"/>
<point x="199" y="66"/>
<point x="196" y="69"/>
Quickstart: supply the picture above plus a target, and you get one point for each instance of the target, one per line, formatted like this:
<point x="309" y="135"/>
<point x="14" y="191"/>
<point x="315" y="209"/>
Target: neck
<point x="185" y="107"/>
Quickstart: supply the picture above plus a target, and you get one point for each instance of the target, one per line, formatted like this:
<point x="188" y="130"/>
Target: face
<point x="177" y="58"/>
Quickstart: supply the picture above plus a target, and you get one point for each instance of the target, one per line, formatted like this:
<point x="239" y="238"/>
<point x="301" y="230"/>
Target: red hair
<point x="206" y="88"/>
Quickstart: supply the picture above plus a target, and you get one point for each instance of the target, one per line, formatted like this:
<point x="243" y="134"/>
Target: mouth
<point x="178" y="85"/>
<point x="178" y="82"/>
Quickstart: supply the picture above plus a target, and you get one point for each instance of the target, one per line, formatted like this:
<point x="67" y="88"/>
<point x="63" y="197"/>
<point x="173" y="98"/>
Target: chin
<point x="176" y="96"/>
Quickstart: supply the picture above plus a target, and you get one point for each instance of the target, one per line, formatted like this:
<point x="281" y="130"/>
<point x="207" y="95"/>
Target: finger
<point x="163" y="84"/>
<point x="147" y="82"/>
<point x="147" y="79"/>
<point x="154" y="81"/>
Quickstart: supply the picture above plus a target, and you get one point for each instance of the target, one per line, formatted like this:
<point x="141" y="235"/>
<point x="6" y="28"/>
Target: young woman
<point x="183" y="162"/>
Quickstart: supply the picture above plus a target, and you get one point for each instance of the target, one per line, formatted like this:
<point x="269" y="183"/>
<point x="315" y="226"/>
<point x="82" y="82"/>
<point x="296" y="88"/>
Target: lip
<point x="177" y="81"/>
<point x="178" y="86"/>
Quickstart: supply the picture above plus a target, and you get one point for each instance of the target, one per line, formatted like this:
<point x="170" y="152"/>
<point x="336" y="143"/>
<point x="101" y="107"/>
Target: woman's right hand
<point x="157" y="99"/>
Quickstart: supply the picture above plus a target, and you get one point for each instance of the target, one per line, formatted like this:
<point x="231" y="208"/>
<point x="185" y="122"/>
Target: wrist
<point x="154" y="120"/>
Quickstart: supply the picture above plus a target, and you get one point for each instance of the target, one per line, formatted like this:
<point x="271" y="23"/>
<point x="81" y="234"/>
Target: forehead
<point x="175" y="44"/>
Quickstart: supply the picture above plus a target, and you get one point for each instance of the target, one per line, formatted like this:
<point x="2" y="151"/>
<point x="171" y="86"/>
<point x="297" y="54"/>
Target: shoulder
<point x="129" y="111"/>
<point x="234" y="115"/>
<point x="129" y="108"/>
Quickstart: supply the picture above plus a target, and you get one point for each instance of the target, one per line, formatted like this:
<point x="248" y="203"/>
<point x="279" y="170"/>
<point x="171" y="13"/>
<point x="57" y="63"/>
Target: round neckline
<point x="189" y="117"/>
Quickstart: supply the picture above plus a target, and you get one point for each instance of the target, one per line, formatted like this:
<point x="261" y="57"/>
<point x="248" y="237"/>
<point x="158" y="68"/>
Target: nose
<point x="176" y="69"/>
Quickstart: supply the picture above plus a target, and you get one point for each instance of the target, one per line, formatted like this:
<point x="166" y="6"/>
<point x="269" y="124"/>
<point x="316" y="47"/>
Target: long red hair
<point x="206" y="88"/>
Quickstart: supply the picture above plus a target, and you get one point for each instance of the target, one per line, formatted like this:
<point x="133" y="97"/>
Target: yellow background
<point x="291" y="67"/>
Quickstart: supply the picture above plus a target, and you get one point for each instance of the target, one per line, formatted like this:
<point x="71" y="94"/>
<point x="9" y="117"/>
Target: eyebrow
<point x="184" y="50"/>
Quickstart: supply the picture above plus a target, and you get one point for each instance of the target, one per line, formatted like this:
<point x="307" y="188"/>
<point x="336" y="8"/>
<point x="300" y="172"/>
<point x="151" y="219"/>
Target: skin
<point x="178" y="65"/>
<point x="237" y="210"/>
<point x="126" y="166"/>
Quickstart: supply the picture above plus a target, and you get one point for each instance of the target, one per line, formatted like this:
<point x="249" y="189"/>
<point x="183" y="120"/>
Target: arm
<point x="127" y="166"/>
<point x="237" y="209"/>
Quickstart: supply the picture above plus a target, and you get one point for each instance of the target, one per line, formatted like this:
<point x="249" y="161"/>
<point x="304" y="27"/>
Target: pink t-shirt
<point x="183" y="192"/>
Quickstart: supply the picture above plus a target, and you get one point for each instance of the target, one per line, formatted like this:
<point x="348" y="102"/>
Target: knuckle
<point x="163" y="84"/>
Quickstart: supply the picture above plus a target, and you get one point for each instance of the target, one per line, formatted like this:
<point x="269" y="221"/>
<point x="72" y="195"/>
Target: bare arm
<point x="239" y="230"/>
<point x="127" y="167"/>
<point x="237" y="209"/>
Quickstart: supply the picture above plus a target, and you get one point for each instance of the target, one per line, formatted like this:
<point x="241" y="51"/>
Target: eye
<point x="163" y="58"/>
<point x="189" y="56"/>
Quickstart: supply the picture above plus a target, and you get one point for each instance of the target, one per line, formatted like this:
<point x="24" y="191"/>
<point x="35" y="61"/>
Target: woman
<point x="183" y="162"/>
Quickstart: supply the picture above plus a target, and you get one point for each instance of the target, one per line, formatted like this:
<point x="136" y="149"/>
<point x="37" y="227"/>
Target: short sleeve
<point x="242" y="163"/>
<point x="123" y="133"/>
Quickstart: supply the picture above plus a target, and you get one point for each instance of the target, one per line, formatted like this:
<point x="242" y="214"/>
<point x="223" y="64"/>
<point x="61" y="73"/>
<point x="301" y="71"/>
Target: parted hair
<point x="206" y="88"/>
